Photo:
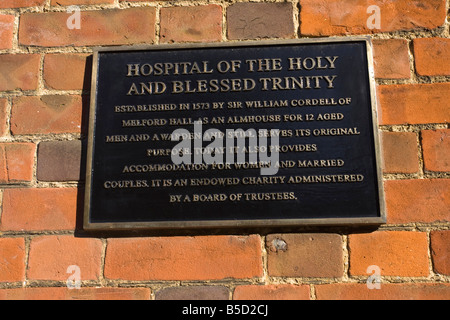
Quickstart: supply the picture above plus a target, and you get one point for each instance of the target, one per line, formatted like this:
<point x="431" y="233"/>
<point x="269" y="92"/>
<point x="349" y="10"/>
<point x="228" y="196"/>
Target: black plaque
<point x="317" y="96"/>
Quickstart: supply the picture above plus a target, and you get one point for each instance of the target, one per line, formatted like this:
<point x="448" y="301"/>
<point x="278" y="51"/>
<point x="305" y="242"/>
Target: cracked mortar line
<point x="265" y="261"/>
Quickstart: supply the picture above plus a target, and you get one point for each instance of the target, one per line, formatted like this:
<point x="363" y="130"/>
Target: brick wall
<point x="44" y="94"/>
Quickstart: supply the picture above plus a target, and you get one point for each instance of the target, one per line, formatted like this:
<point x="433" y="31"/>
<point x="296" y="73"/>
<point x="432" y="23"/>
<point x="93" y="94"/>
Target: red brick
<point x="3" y="117"/>
<point x="436" y="149"/>
<point x="199" y="23"/>
<point x="84" y="293"/>
<point x="340" y="17"/>
<point x="12" y="264"/>
<point x="391" y="59"/>
<point x="396" y="253"/>
<point x="39" y="209"/>
<point x="440" y="251"/>
<point x="272" y="292"/>
<point x="19" y="71"/>
<point x="432" y="56"/>
<point x="102" y="27"/>
<point x="66" y="71"/>
<point x="388" y="291"/>
<point x="184" y="258"/>
<point x="260" y="20"/>
<point x="76" y="2"/>
<point x="17" y="161"/>
<point x="425" y="200"/>
<point x="305" y="255"/>
<point x="6" y="31"/>
<point x="20" y="3"/>
<point x="46" y="114"/>
<point x="414" y="103"/>
<point x="50" y="256"/>
<point x="400" y="152"/>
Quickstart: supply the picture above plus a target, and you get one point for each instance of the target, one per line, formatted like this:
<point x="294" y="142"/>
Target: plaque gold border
<point x="220" y="224"/>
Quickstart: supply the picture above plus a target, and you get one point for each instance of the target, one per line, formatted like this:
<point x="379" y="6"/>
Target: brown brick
<point x="84" y="293"/>
<point x="184" y="258"/>
<point x="305" y="255"/>
<point x="12" y="265"/>
<point x="39" y="209"/>
<point x="17" y="161"/>
<point x="260" y="20"/>
<point x="6" y="31"/>
<point x="400" y="152"/>
<point x="388" y="291"/>
<point x="414" y="103"/>
<point x="59" y="160"/>
<point x="436" y="149"/>
<point x="391" y="59"/>
<point x="425" y="200"/>
<point x="66" y="71"/>
<point x="440" y="250"/>
<point x="46" y="114"/>
<point x="194" y="293"/>
<point x="19" y="71"/>
<point x="199" y="23"/>
<point x="396" y="253"/>
<point x="102" y="27"/>
<point x="341" y="17"/>
<point x="50" y="256"/>
<point x="76" y="2"/>
<point x="432" y="56"/>
<point x="272" y="292"/>
<point x="20" y="3"/>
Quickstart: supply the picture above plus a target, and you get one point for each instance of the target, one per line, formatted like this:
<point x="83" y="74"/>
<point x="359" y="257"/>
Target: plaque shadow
<point x="86" y="95"/>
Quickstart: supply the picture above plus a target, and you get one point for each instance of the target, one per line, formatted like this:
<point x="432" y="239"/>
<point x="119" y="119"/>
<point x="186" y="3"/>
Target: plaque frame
<point x="227" y="224"/>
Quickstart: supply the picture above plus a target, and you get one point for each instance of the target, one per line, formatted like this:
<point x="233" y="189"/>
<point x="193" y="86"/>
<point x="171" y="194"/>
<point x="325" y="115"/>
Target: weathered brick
<point x="391" y="59"/>
<point x="46" y="114"/>
<point x="388" y="291"/>
<point x="340" y="17"/>
<point x="194" y="293"/>
<point x="425" y="200"/>
<point x="77" y="2"/>
<point x="102" y="27"/>
<point x="199" y="23"/>
<point x="396" y="253"/>
<point x="305" y="255"/>
<point x="59" y="160"/>
<point x="184" y="258"/>
<point x="39" y="209"/>
<point x="400" y="152"/>
<point x="432" y="56"/>
<point x="66" y="71"/>
<point x="84" y="293"/>
<point x="12" y="264"/>
<point x="440" y="251"/>
<point x="50" y="256"/>
<point x="272" y="292"/>
<point x="20" y="3"/>
<point x="3" y="117"/>
<point x="436" y="149"/>
<point x="260" y="20"/>
<point x="17" y="161"/>
<point x="6" y="31"/>
<point x="19" y="71"/>
<point x="414" y="103"/>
